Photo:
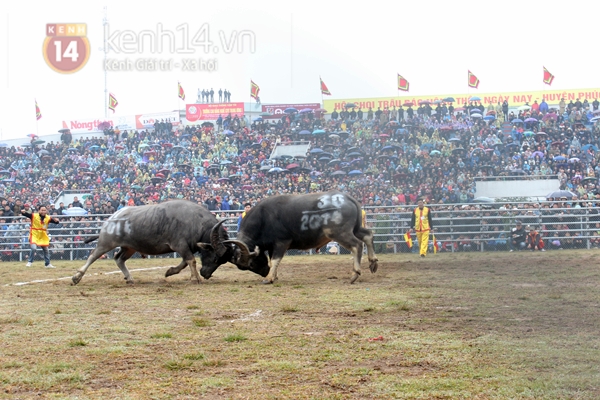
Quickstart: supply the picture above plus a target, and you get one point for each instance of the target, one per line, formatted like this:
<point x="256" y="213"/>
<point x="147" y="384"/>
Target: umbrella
<point x="574" y="160"/>
<point x="265" y="114"/>
<point x="517" y="172"/>
<point x="355" y="172"/>
<point x="489" y="118"/>
<point x="590" y="179"/>
<point x="334" y="161"/>
<point x="19" y="153"/>
<point x="150" y="153"/>
<point x="350" y="105"/>
<point x="178" y="173"/>
<point x="491" y="112"/>
<point x="559" y="194"/>
<point x="207" y="124"/>
<point x="594" y="119"/>
<point x="454" y="139"/>
<point x="36" y="142"/>
<point x="64" y="130"/>
<point x="354" y="154"/>
<point x="223" y="179"/>
<point x="435" y="153"/>
<point x="306" y="110"/>
<point x="292" y="166"/>
<point x="316" y="150"/>
<point x="228" y="132"/>
<point x="458" y="149"/>
<point x="226" y="162"/>
<point x="334" y="136"/>
<point x="475" y="98"/>
<point x="424" y="102"/>
<point x="136" y="187"/>
<point x="530" y="119"/>
<point x="338" y="173"/>
<point x="156" y="180"/>
<point x="537" y="154"/>
<point x="584" y="148"/>
<point x="476" y="115"/>
<point x="517" y="121"/>
<point x="290" y="110"/>
<point x="459" y="109"/>
<point x="75" y="211"/>
<point x="43" y="153"/>
<point x="523" y="108"/>
<point x="304" y="132"/>
<point x="318" y="132"/>
<point x="408" y="104"/>
<point x="276" y="170"/>
<point x="559" y="158"/>
<point x="159" y="175"/>
<point x="32" y="135"/>
<point x="387" y="148"/>
<point x="528" y="134"/>
<point x="325" y="158"/>
<point x="259" y="119"/>
<point x="449" y="99"/>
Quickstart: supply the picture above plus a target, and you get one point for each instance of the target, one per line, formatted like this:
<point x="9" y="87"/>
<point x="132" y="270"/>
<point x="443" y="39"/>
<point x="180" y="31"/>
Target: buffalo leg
<point x="355" y="246"/>
<point x="278" y="253"/>
<point x="177" y="269"/>
<point x="366" y="236"/>
<point x="123" y="255"/>
<point x="96" y="254"/>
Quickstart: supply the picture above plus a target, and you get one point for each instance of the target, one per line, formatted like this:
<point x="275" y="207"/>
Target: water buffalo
<point x="302" y="222"/>
<point x="174" y="226"/>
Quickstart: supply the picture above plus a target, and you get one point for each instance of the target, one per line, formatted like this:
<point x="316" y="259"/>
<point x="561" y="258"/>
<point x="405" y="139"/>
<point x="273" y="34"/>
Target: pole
<point x="105" y="25"/>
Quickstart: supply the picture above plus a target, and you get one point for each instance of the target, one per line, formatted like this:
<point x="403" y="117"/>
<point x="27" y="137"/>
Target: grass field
<point x="450" y="326"/>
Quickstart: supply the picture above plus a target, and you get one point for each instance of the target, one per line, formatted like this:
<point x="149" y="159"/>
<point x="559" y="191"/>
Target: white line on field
<point x="68" y="277"/>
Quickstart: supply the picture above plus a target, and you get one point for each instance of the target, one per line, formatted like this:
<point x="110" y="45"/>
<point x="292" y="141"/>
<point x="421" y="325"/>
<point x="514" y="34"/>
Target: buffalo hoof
<point x="267" y="282"/>
<point x="354" y="278"/>
<point x="130" y="282"/>
<point x="76" y="279"/>
<point x="373" y="266"/>
<point x="169" y="272"/>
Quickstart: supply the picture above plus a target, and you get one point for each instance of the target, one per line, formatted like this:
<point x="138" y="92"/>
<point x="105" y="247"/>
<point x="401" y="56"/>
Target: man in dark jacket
<point x="517" y="237"/>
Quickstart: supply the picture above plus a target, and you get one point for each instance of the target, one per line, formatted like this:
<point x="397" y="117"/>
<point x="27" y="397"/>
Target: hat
<point x="518" y="222"/>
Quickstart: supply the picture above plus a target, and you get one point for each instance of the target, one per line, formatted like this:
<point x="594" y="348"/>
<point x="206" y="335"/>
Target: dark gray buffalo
<point x="302" y="222"/>
<point x="174" y="226"/>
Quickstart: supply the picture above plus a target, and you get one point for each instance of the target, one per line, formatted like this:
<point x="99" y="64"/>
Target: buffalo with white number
<point x="174" y="226"/>
<point x="301" y="222"/>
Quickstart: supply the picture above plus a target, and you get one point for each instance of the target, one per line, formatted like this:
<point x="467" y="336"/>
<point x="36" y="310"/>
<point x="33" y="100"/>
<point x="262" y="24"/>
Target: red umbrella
<point x="32" y="135"/>
<point x="19" y="153"/>
<point x="408" y="104"/>
<point x="292" y="166"/>
<point x="159" y="175"/>
<point x="167" y="144"/>
<point x="384" y="135"/>
<point x="119" y="147"/>
<point x="150" y="153"/>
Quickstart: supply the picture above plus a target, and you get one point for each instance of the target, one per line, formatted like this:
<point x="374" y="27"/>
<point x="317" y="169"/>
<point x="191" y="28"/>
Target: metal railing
<point x="458" y="227"/>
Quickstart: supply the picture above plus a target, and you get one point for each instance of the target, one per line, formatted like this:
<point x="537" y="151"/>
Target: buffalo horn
<point x="215" y="239"/>
<point x="245" y="252"/>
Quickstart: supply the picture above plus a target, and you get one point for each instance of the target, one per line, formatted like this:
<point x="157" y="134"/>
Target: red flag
<point x="38" y="113"/>
<point x="408" y="240"/>
<point x="548" y="77"/>
<point x="402" y="84"/>
<point x="324" y="89"/>
<point x="112" y="102"/>
<point x="181" y="92"/>
<point x="473" y="80"/>
<point x="436" y="246"/>
<point x="254" y="90"/>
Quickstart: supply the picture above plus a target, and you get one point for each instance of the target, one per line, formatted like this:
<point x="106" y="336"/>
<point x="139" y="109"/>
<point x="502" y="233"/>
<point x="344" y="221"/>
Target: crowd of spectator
<point x="386" y="157"/>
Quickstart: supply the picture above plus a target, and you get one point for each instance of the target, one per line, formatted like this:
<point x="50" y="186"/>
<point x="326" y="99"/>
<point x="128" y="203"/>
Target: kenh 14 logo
<point x="66" y="47"/>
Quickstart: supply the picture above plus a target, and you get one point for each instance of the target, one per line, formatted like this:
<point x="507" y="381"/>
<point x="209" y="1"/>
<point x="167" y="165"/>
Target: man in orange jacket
<point x="422" y="223"/>
<point x="38" y="234"/>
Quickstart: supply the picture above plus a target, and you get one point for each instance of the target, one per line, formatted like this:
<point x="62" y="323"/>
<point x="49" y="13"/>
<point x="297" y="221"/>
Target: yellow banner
<point x="514" y="99"/>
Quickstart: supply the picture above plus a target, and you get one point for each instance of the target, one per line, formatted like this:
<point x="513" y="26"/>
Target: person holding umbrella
<point x="38" y="233"/>
<point x="422" y="223"/>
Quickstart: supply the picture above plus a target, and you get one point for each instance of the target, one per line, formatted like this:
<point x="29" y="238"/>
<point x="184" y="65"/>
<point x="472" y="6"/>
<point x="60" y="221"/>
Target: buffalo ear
<point x="205" y="246"/>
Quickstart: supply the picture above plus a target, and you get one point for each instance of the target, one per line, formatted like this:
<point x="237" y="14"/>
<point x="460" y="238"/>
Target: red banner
<point x="211" y="111"/>
<point x="278" y="109"/>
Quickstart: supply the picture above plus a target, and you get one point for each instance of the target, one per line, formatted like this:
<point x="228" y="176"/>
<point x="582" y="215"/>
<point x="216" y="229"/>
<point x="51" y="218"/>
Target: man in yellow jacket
<point x="38" y="234"/>
<point x="422" y="223"/>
